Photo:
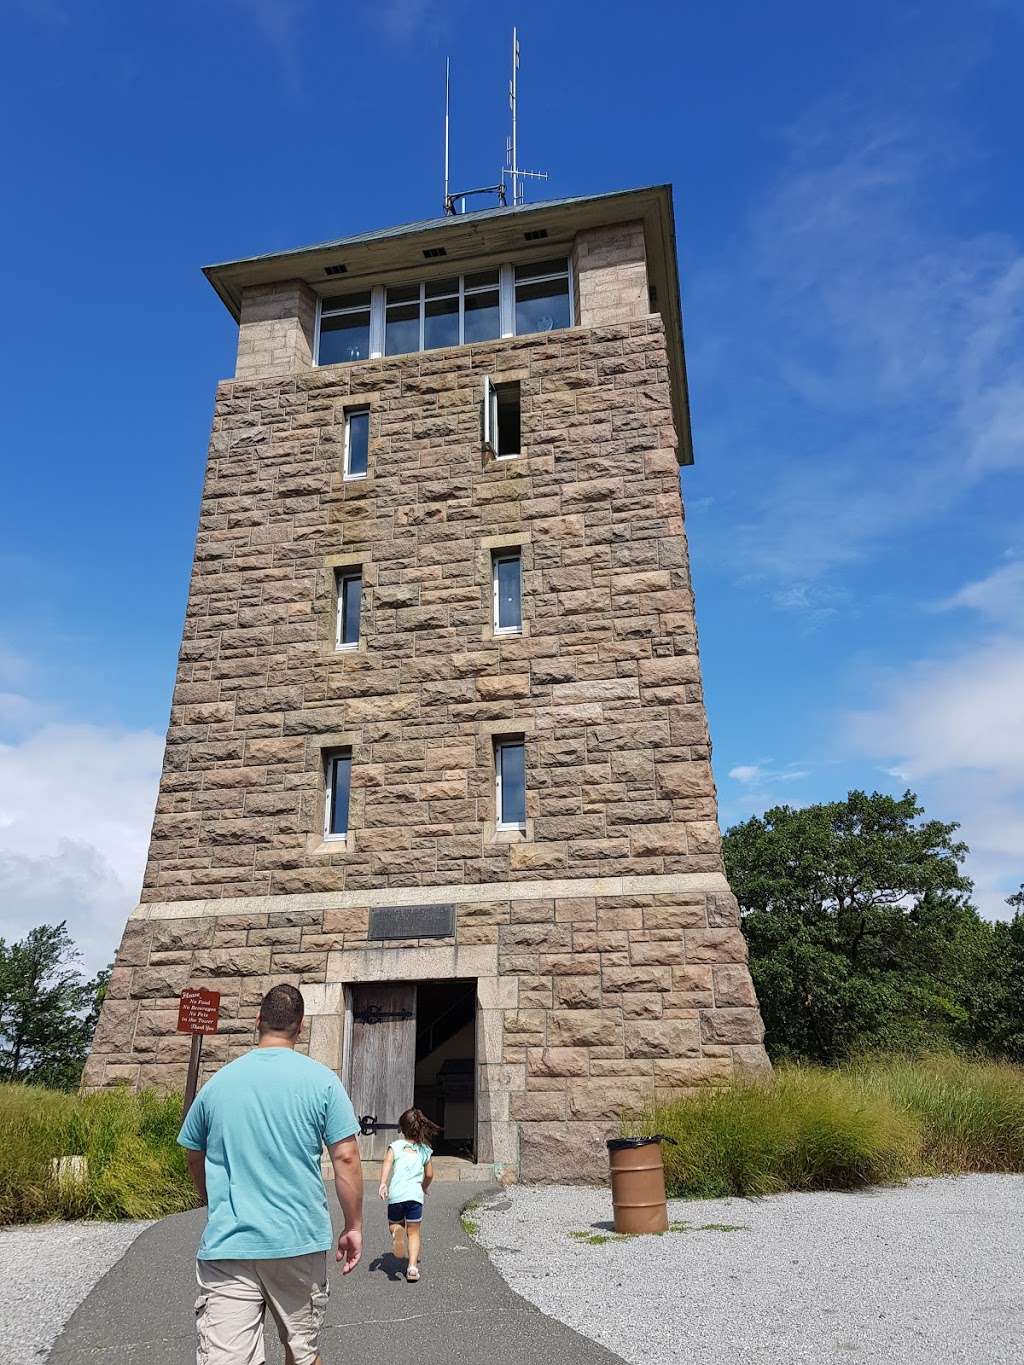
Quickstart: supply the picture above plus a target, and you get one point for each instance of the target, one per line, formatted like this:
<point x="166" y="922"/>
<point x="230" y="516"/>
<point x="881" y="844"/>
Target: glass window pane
<point x="347" y="301"/>
<point x="513" y="783"/>
<point x="482" y="279"/>
<point x="358" y="442"/>
<point x="510" y="607"/>
<point x="403" y="293"/>
<point x="344" y="338"/>
<point x="352" y="591"/>
<point x="402" y="329"/>
<point x="531" y="272"/>
<point x="483" y="319"/>
<point x="341" y="782"/>
<point x="441" y="323"/>
<point x="542" y="307"/>
<point x="436" y="289"/>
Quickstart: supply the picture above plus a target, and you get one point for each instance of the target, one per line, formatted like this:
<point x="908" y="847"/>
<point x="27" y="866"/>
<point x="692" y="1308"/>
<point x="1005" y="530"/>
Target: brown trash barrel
<point x="638" y="1184"/>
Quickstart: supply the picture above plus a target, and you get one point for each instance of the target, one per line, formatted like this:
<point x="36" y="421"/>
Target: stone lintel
<point x="551" y="889"/>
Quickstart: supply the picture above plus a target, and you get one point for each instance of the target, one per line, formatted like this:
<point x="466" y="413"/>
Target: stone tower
<point x="438" y="750"/>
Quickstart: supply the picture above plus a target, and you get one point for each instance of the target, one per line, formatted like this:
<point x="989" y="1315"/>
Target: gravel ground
<point x="48" y="1268"/>
<point x="930" y="1272"/>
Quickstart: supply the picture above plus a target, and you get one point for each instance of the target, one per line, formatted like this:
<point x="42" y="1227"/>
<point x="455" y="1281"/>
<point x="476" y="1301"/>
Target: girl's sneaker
<point x="412" y="1274"/>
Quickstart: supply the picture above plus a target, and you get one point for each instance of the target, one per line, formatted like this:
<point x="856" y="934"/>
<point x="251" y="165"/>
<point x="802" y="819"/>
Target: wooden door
<point x="383" y="1068"/>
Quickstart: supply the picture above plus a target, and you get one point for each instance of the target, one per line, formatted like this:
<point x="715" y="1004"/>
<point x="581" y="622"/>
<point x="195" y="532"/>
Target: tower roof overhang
<point x="480" y="233"/>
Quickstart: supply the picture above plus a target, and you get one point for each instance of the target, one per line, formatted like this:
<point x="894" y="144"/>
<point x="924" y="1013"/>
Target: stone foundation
<point x="594" y="997"/>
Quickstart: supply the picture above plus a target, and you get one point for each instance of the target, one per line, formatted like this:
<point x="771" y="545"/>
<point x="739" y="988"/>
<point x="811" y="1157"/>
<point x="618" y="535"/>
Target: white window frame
<point x="565" y="274"/>
<point x="491" y="427"/>
<point x="506" y="308"/>
<point x="497" y="557"/>
<point x="330" y="759"/>
<point x="508" y="742"/>
<point x="340" y="578"/>
<point x="347" y="474"/>
<point x="321" y="313"/>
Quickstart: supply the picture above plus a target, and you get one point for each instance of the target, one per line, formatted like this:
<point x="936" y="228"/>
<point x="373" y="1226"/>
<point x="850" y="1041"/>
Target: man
<point x="254" y="1136"/>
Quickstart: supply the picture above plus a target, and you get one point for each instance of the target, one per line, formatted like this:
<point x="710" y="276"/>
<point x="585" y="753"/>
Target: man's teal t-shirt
<point x="262" y="1121"/>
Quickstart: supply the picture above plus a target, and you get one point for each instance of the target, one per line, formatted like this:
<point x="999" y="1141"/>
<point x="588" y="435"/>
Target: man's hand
<point x="350" y="1250"/>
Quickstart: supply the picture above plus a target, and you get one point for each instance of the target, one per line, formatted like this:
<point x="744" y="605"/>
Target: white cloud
<point x="76" y="805"/>
<point x="954" y="724"/>
<point x="745" y="772"/>
<point x="1000" y="596"/>
<point x="883" y="353"/>
<point x="756" y="773"/>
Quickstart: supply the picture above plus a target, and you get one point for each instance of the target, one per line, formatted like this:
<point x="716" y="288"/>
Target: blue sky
<point x="849" y="205"/>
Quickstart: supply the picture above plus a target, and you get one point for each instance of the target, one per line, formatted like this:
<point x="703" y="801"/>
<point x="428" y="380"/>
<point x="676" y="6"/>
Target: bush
<point x="876" y="1121"/>
<point x="135" y="1168"/>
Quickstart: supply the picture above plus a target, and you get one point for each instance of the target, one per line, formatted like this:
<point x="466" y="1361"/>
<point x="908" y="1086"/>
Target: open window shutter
<point x="490" y="416"/>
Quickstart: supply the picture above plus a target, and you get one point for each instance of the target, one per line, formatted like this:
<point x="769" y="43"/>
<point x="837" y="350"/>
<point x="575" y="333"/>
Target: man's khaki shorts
<point x="235" y="1295"/>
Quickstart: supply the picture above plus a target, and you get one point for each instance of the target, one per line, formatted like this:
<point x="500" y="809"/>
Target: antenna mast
<point x="447" y="68"/>
<point x="512" y="168"/>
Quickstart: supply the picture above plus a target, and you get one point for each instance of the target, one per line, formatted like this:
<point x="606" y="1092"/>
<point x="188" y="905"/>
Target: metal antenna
<point x="447" y="67"/>
<point x="512" y="167"/>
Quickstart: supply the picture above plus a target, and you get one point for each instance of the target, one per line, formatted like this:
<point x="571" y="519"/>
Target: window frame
<point x="363" y="410"/>
<point x="331" y="759"/>
<point x="543" y="279"/>
<point x="321" y="313"/>
<point x="514" y="552"/>
<point x="505" y="287"/>
<point x="342" y="575"/>
<point x="507" y="742"/>
<point x="491" y="422"/>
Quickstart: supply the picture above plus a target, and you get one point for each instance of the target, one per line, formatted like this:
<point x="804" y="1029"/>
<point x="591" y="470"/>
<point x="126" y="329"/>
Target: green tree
<point x="860" y="927"/>
<point x="47" y="1011"/>
<point x="998" y="1006"/>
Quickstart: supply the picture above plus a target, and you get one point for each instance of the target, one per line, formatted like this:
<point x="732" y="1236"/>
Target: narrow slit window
<point x="507" y="582"/>
<point x="510" y="783"/>
<point x="338" y="769"/>
<point x="350" y="593"/>
<point x="357" y="443"/>
<point x="502" y="420"/>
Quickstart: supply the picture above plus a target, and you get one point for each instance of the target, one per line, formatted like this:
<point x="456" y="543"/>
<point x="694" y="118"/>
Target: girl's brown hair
<point x="417" y="1127"/>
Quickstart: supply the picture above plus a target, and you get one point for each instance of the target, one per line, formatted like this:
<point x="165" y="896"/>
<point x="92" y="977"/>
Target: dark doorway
<point x="445" y="1085"/>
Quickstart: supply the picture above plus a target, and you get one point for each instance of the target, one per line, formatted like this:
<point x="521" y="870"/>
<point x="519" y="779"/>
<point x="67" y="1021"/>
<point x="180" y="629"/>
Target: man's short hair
<point x="281" y="1010"/>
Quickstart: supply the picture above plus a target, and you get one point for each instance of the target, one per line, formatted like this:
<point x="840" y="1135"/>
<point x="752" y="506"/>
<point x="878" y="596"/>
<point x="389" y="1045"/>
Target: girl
<point x="404" y="1179"/>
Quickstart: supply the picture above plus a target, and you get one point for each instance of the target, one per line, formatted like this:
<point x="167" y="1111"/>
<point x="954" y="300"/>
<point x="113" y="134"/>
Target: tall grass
<point x="873" y="1122"/>
<point x="135" y="1168"/>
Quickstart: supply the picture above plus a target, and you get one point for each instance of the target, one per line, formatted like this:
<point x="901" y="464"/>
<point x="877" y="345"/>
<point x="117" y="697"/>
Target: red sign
<point x="198" y="1010"/>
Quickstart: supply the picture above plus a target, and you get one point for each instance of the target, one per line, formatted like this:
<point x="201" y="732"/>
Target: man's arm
<point x="348" y="1182"/>
<point x="197" y="1170"/>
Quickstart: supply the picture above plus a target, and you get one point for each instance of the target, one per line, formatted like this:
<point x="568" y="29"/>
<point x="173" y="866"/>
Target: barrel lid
<point x="619" y="1144"/>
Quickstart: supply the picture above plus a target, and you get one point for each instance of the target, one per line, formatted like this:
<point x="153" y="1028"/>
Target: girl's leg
<point x="412" y="1232"/>
<point x="397" y="1231"/>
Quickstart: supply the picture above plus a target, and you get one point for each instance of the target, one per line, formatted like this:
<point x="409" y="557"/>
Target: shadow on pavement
<point x="142" y="1311"/>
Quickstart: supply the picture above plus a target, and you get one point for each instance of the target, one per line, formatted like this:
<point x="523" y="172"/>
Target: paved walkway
<point x="462" y="1310"/>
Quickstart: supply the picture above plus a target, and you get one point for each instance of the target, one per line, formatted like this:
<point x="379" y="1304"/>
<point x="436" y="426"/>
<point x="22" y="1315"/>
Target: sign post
<point x="198" y="1013"/>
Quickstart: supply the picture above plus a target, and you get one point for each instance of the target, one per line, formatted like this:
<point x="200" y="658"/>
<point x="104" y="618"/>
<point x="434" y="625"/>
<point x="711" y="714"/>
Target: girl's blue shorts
<point x="407" y="1211"/>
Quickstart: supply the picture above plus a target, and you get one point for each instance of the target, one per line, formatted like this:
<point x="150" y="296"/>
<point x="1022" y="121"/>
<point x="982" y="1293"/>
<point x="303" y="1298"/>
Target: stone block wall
<point x="276" y="329"/>
<point x="593" y="998"/>
<point x="610" y="275"/>
<point x="620" y="963"/>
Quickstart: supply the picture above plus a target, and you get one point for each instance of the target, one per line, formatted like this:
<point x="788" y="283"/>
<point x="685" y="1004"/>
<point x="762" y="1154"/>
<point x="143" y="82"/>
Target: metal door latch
<point x="368" y="1125"/>
<point x="373" y="1014"/>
